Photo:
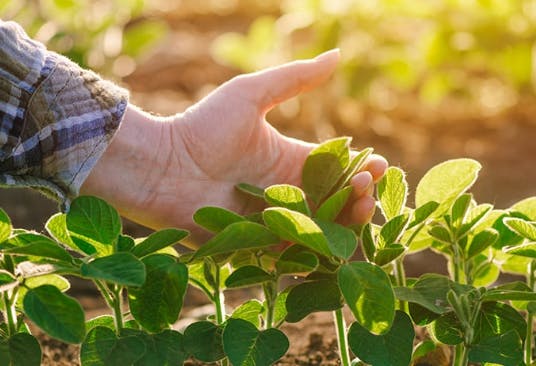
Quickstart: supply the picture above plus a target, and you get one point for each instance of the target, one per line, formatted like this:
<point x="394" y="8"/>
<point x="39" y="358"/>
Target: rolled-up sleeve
<point x="56" y="119"/>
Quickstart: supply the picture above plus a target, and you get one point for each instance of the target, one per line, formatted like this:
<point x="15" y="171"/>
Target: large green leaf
<point x="296" y="259"/>
<point x="287" y="196"/>
<point x="57" y="228"/>
<point x="333" y="205"/>
<point x="102" y="347"/>
<point x="240" y="235"/>
<point x="158" y="240"/>
<point x="203" y="340"/>
<point x="93" y="221"/>
<point x="392" y="192"/>
<point x="324" y="166"/>
<point x="158" y="302"/>
<point x="505" y="349"/>
<point x="215" y="219"/>
<point x="497" y="318"/>
<point x="393" y="348"/>
<point x="20" y="349"/>
<point x="162" y="349"/>
<point x="368" y="293"/>
<point x="5" y="226"/>
<point x="247" y="276"/>
<point x="59" y="315"/>
<point x="445" y="182"/>
<point x="312" y="296"/>
<point x="244" y="345"/>
<point x="39" y="246"/>
<point x="296" y="227"/>
<point x="120" y="268"/>
<point x="342" y="241"/>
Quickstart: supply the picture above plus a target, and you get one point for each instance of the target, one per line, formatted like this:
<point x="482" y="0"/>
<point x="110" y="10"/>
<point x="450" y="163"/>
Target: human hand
<point x="160" y="171"/>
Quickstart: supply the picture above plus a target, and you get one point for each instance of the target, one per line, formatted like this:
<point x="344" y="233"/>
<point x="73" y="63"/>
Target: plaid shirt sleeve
<point x="56" y="119"/>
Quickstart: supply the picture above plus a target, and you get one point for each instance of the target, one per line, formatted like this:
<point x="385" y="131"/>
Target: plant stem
<point x="400" y="276"/>
<point x="461" y="357"/>
<point x="341" y="337"/>
<point x="10" y="315"/>
<point x="529" y="337"/>
<point x="117" y="308"/>
<point x="270" y="293"/>
<point x="219" y="302"/>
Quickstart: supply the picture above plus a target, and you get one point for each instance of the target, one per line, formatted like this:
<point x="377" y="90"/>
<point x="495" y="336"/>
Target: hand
<point x="159" y="171"/>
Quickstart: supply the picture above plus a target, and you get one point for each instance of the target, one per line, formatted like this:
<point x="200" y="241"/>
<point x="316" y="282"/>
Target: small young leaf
<point x="296" y="227"/>
<point x="215" y="219"/>
<point x="245" y="345"/>
<point x="5" y="226"/>
<point x="93" y="221"/>
<point x="423" y="349"/>
<point x="505" y="349"/>
<point x="251" y="190"/>
<point x="393" y="348"/>
<point x="447" y="329"/>
<point x="392" y="192"/>
<point x="524" y="250"/>
<point x="240" y="235"/>
<point x="158" y="240"/>
<point x="125" y="243"/>
<point x="57" y="229"/>
<point x="120" y="268"/>
<point x="392" y="230"/>
<point x="20" y="349"/>
<point x="355" y="165"/>
<point x="481" y="241"/>
<point x="204" y="341"/>
<point x="324" y="166"/>
<point x="158" y="302"/>
<point x="369" y="246"/>
<point x="39" y="246"/>
<point x="57" y="314"/>
<point x="521" y="227"/>
<point x="460" y="208"/>
<point x="342" y="241"/>
<point x="508" y="295"/>
<point x="507" y="237"/>
<point x="440" y="233"/>
<point x="422" y="213"/>
<point x="102" y="347"/>
<point x="247" y="276"/>
<point x="312" y="296"/>
<point x="484" y="271"/>
<point x="445" y="182"/>
<point x="388" y="254"/>
<point x="7" y="281"/>
<point x="475" y="216"/>
<point x="296" y="259"/>
<point x="287" y="196"/>
<point x="368" y="293"/>
<point x="333" y="205"/>
<point x="250" y="311"/>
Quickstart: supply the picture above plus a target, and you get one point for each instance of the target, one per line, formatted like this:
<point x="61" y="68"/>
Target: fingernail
<point x="334" y="53"/>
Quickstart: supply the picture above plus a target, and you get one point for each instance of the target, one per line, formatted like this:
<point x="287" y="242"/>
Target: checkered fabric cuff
<point x="56" y="119"/>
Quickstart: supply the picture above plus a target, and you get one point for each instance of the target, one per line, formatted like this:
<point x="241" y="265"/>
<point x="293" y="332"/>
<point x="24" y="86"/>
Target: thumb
<point x="269" y="87"/>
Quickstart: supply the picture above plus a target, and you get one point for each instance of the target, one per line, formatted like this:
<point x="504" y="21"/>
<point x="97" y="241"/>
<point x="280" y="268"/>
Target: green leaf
<point x="59" y="315"/>
<point x="333" y="205"/>
<point x="101" y="321"/>
<point x="251" y="190"/>
<point x="475" y="217"/>
<point x="460" y="209"/>
<point x="57" y="228"/>
<point x="91" y="220"/>
<point x="280" y="308"/>
<point x="423" y="349"/>
<point x="505" y="349"/>
<point x="526" y="207"/>
<point x="393" y="348"/>
<point x="249" y="311"/>
<point x="7" y="281"/>
<point x="484" y="272"/>
<point x="440" y="233"/>
<point x="445" y="182"/>
<point x="521" y="227"/>
<point x="507" y="236"/>
<point x="57" y="281"/>
<point x="296" y="259"/>
<point x="102" y="347"/>
<point x="215" y="219"/>
<point x="524" y="250"/>
<point x="324" y="166"/>
<point x="245" y="345"/>
<point x="158" y="302"/>
<point x="158" y="240"/>
<point x="38" y="246"/>
<point x="20" y="349"/>
<point x="422" y="213"/>
<point x="497" y="318"/>
<point x="162" y="349"/>
<point x="120" y="268"/>
<point x="204" y="341"/>
<point x="447" y="329"/>
<point x="481" y="241"/>
<point x="369" y="246"/>
<point x="509" y="295"/>
<point x="342" y="241"/>
<point x="312" y="296"/>
<point x="388" y="254"/>
<point x="287" y="196"/>
<point x="125" y="243"/>
<point x="296" y="227"/>
<point x="392" y="192"/>
<point x="421" y="315"/>
<point x="240" y="235"/>
<point x="368" y="293"/>
<point x="355" y="165"/>
<point x="392" y="230"/>
<point x="247" y="276"/>
<point x="5" y="226"/>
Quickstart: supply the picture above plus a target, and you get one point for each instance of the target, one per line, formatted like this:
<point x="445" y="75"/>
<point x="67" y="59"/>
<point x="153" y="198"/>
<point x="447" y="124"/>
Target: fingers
<point x="272" y="86"/>
<point x="376" y="165"/>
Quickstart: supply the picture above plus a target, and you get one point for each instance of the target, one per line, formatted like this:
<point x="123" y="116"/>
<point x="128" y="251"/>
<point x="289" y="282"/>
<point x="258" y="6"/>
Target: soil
<point x="181" y="71"/>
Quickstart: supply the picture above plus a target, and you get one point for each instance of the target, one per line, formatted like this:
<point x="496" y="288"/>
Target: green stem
<point x="10" y="315"/>
<point x="117" y="308"/>
<point x="270" y="294"/>
<point x="341" y="337"/>
<point x="461" y="357"/>
<point x="528" y="339"/>
<point x="400" y="277"/>
<point x="219" y="302"/>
